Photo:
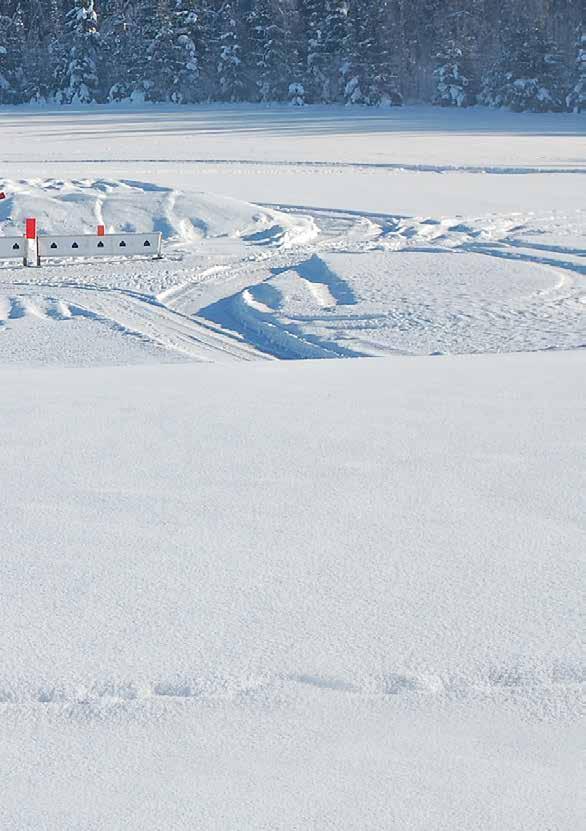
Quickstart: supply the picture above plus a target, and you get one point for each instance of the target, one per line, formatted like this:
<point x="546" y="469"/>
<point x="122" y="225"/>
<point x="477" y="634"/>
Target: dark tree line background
<point x="521" y="54"/>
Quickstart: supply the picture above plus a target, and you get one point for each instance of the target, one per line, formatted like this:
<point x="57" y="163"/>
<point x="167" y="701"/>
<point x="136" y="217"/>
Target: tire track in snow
<point x="131" y="314"/>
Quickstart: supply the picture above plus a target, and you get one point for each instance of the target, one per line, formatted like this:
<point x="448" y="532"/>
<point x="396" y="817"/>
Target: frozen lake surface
<point x="239" y="590"/>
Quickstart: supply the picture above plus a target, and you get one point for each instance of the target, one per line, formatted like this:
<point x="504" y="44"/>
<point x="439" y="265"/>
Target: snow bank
<point x="66" y="206"/>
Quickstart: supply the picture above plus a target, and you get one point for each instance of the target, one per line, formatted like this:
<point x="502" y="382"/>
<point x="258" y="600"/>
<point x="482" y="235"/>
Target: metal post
<point x="31" y="257"/>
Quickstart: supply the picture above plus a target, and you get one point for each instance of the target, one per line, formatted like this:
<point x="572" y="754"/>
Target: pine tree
<point x="319" y="51"/>
<point x="576" y="99"/>
<point x="78" y="83"/>
<point x="204" y="34"/>
<point x="187" y="28"/>
<point x="359" y="48"/>
<point x="230" y="83"/>
<point x="315" y="56"/>
<point x="453" y="78"/>
<point x="173" y="69"/>
<point x="529" y="74"/>
<point x="11" y="57"/>
<point x="269" y="56"/>
<point x="337" y="48"/>
<point x="118" y="64"/>
<point x="37" y="85"/>
<point x="382" y="79"/>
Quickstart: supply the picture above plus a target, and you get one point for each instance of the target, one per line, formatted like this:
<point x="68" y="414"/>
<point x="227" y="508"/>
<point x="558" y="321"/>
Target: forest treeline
<point x="520" y="54"/>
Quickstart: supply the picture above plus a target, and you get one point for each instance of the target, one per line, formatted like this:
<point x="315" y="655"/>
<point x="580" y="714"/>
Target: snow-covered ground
<point x="288" y="281"/>
<point x="304" y="594"/>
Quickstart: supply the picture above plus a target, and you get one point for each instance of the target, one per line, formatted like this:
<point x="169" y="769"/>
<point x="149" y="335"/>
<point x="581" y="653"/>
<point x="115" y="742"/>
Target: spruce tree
<point x="337" y="48"/>
<point x="316" y="69"/>
<point x="118" y="66"/>
<point x="230" y="83"/>
<point x="359" y="48"/>
<point x="576" y="99"/>
<point x="187" y="86"/>
<point x="163" y="64"/>
<point x="317" y="51"/>
<point x="454" y="87"/>
<point x="382" y="81"/>
<point x="11" y="57"/>
<point x="78" y="81"/>
<point x="269" y="56"/>
<point x="528" y="75"/>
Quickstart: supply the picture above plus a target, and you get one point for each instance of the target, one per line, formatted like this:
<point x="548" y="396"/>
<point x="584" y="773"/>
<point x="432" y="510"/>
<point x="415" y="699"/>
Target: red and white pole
<point x="31" y="256"/>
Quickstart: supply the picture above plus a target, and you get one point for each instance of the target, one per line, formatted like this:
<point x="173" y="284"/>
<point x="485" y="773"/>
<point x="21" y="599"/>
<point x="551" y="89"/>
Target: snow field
<point x="291" y="283"/>
<point x="318" y="594"/>
<point x="176" y="644"/>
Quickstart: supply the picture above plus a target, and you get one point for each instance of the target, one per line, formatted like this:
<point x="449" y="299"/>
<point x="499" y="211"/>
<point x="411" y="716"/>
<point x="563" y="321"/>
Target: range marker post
<point x="31" y="256"/>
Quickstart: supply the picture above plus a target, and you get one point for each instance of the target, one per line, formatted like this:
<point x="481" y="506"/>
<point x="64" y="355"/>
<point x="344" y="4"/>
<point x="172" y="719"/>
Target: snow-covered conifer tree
<point x="576" y="99"/>
<point x="382" y="79"/>
<point x="315" y="55"/>
<point x="11" y="57"/>
<point x="78" y="81"/>
<point x="528" y="75"/>
<point x="169" y="35"/>
<point x="454" y="87"/>
<point x="146" y="40"/>
<point x="352" y="51"/>
<point x="337" y="46"/>
<point x="230" y="83"/>
<point x="269" y="55"/>
<point x="187" y="29"/>
<point x="119" y="63"/>
<point x="359" y="46"/>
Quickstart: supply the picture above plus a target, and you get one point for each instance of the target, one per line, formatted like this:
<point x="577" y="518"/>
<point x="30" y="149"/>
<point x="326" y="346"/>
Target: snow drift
<point x="66" y="206"/>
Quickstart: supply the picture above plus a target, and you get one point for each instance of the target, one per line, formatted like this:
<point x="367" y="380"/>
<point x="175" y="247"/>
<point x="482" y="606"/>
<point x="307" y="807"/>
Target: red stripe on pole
<point x="101" y="230"/>
<point x="31" y="228"/>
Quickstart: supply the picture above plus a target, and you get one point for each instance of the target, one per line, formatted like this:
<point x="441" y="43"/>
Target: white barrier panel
<point x="12" y="248"/>
<point x="90" y="245"/>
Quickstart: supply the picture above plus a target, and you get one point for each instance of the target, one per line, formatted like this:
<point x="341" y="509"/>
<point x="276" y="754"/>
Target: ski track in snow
<point x="275" y="166"/>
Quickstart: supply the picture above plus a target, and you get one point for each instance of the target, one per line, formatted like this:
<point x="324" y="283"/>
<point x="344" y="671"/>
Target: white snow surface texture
<point x="243" y="591"/>
<point x="259" y="600"/>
